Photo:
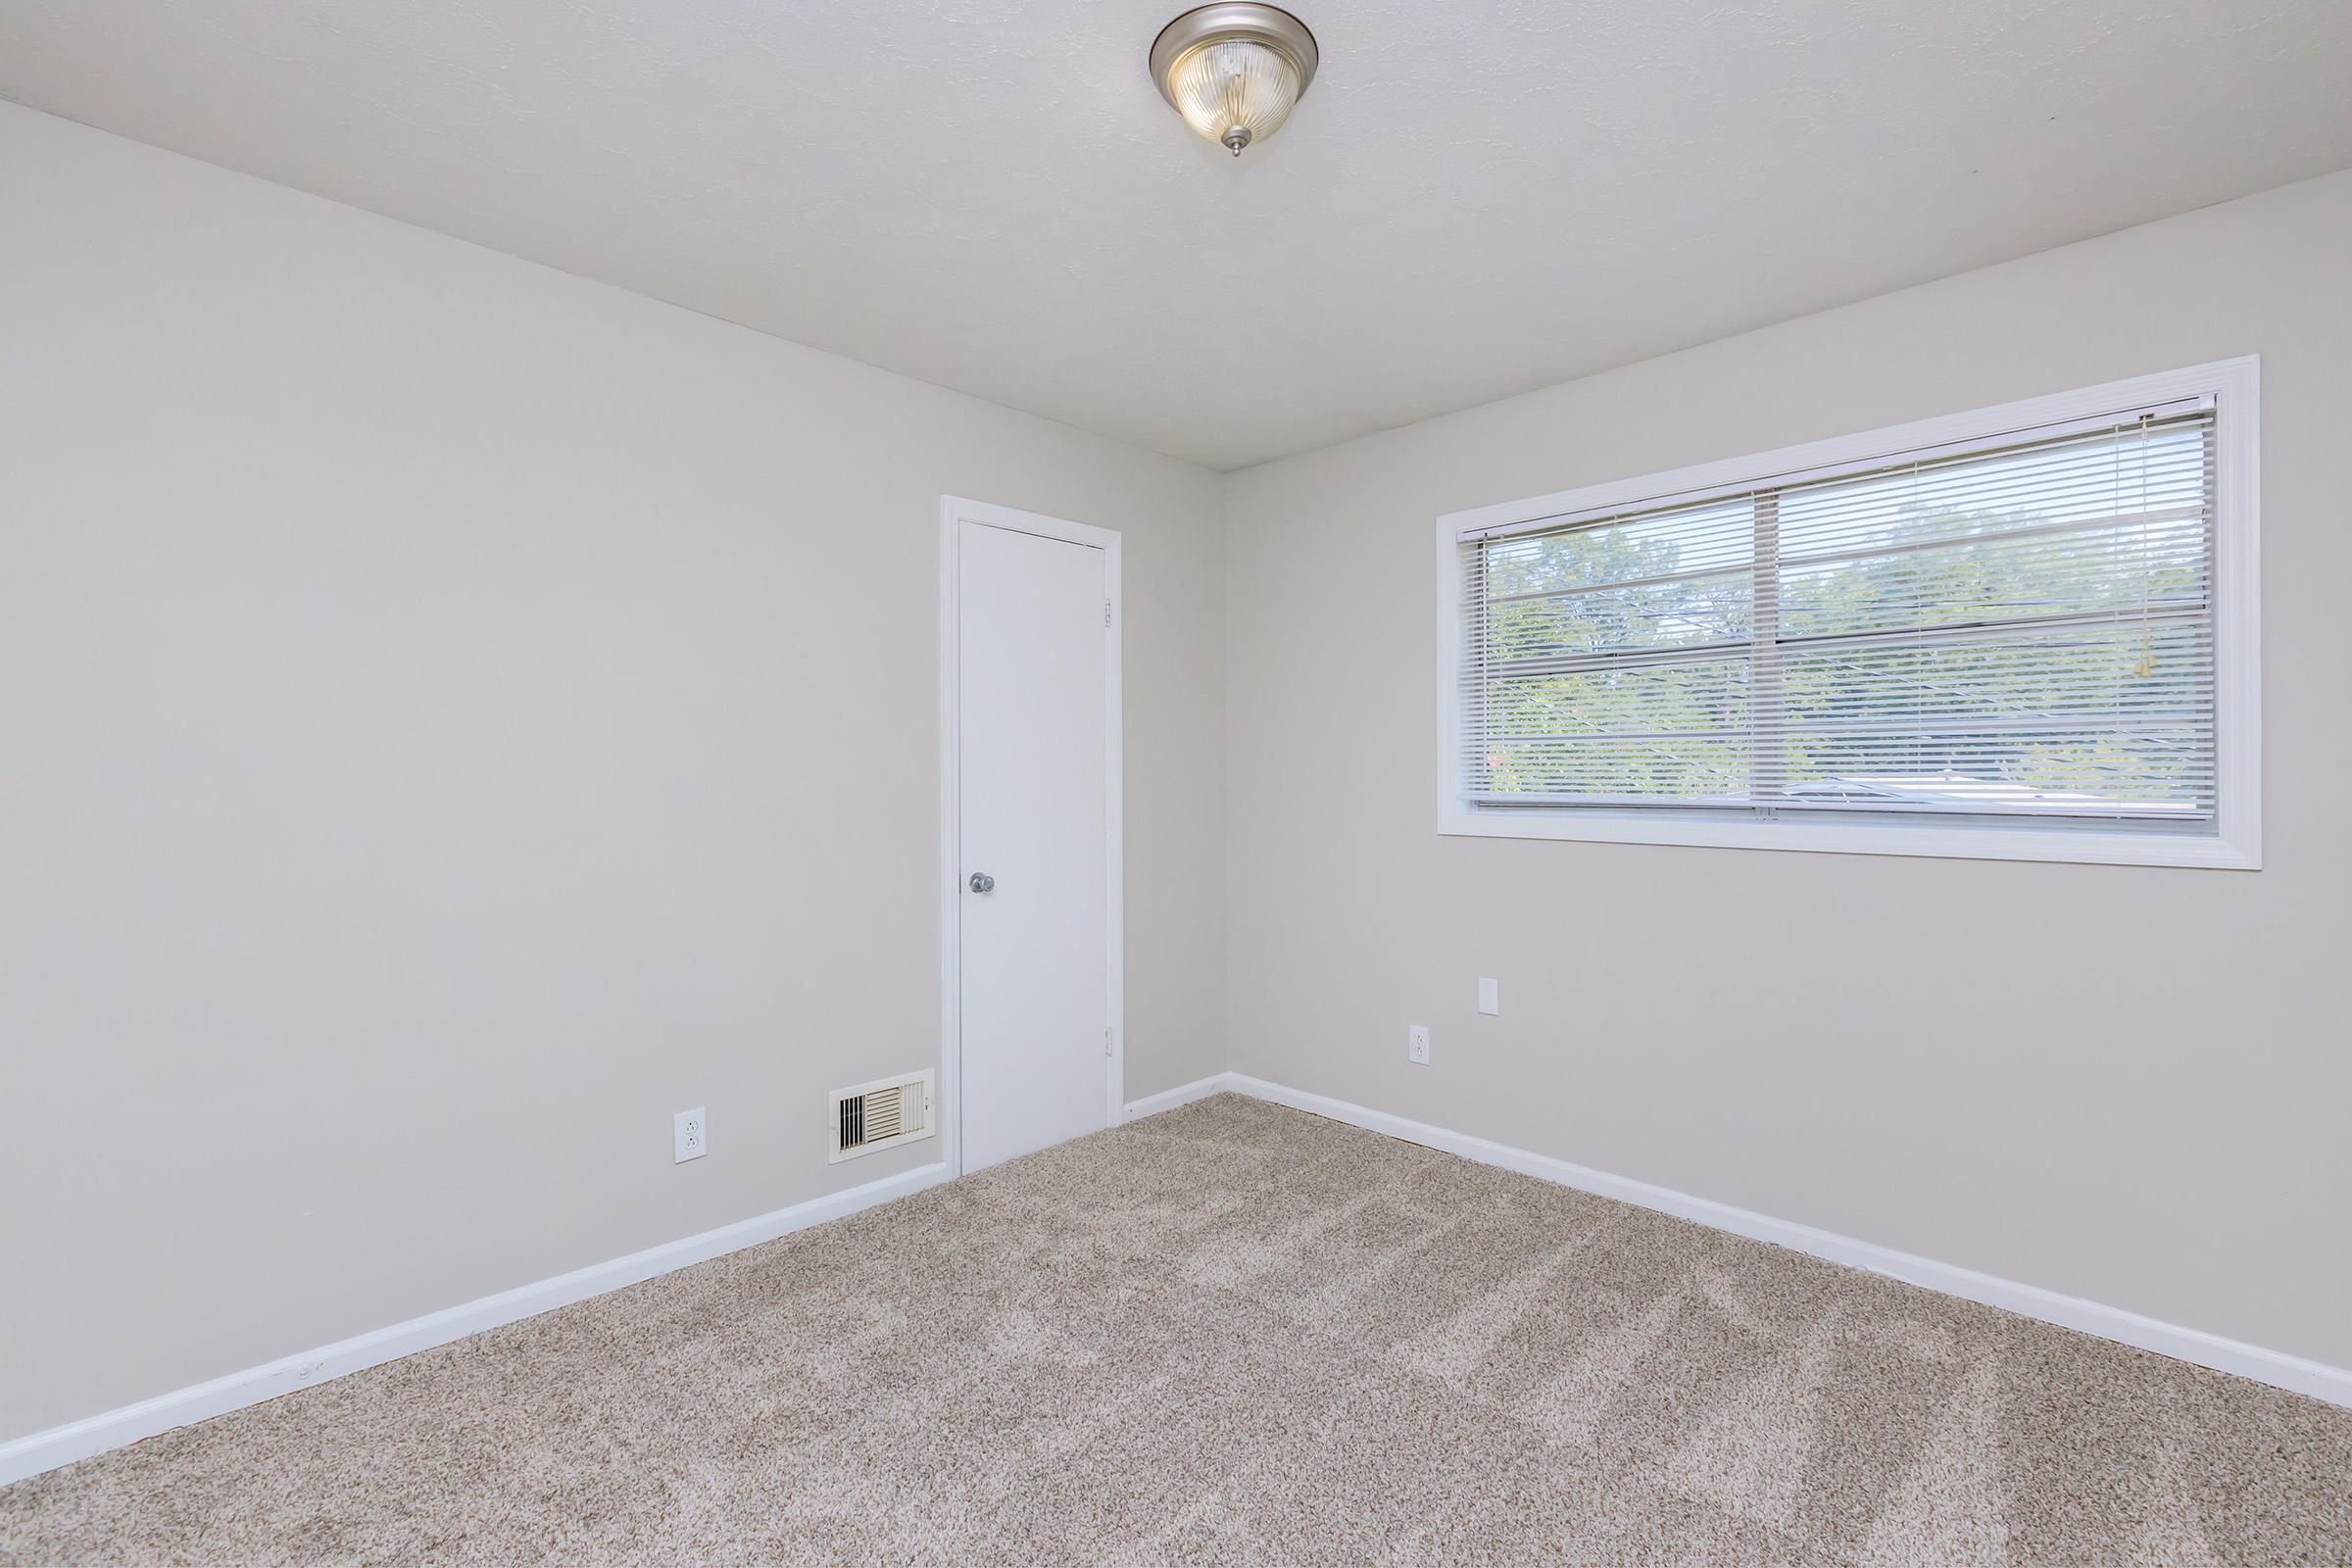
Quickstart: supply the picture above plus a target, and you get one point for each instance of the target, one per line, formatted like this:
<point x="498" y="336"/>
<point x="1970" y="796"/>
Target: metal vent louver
<point x="881" y="1115"/>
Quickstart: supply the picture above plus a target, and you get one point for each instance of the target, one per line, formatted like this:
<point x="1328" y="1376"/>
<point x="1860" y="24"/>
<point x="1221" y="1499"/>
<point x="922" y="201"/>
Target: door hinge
<point x="1107" y="614"/>
<point x="1107" y="1039"/>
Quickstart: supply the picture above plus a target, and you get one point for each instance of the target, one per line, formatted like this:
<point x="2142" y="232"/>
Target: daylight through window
<point x="2013" y="631"/>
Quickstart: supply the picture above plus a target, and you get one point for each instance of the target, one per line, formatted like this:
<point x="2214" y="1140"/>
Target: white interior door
<point x="1035" y="810"/>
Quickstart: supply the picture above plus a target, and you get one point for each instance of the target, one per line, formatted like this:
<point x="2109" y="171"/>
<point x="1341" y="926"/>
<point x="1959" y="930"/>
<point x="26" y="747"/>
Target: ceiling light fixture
<point x="1233" y="71"/>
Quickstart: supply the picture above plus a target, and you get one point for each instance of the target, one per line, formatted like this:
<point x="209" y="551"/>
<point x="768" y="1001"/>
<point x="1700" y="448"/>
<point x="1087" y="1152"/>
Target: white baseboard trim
<point x="2290" y="1372"/>
<point x="31" y="1454"/>
<point x="37" y="1452"/>
<point x="1216" y="1083"/>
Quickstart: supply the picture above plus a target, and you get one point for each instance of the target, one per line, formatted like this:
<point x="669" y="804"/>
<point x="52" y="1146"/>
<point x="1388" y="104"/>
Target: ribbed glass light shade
<point x="1235" y="91"/>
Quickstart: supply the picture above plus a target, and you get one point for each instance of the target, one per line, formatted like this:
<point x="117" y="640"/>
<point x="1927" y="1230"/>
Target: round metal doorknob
<point x="981" y="882"/>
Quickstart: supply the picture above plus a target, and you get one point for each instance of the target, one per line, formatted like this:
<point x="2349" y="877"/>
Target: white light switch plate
<point x="691" y="1133"/>
<point x="1489" y="996"/>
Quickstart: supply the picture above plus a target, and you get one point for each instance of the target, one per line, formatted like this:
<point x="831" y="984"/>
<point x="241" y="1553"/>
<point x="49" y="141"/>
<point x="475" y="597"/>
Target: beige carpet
<point x="1237" y="1334"/>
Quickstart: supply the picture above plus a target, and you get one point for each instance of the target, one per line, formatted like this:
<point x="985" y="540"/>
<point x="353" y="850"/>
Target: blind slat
<point x="1960" y="451"/>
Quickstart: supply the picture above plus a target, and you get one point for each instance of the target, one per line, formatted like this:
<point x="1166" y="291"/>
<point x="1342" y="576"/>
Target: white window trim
<point x="2236" y="844"/>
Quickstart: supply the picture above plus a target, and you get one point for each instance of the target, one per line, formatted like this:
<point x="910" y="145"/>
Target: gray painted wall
<point x="457" y="715"/>
<point x="2120" y="1083"/>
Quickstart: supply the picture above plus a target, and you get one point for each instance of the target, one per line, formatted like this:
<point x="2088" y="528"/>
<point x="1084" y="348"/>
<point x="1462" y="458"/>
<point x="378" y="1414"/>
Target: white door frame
<point x="953" y="511"/>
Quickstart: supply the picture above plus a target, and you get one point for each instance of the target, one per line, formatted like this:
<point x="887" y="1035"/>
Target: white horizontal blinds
<point x="1611" y="661"/>
<point x="2017" y="630"/>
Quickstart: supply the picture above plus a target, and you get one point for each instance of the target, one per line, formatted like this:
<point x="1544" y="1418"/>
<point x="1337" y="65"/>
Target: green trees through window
<point x="2025" y="631"/>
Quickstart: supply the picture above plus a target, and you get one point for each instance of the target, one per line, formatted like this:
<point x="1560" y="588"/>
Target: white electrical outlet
<point x="1489" y="996"/>
<point x="1417" y="1043"/>
<point x="691" y="1133"/>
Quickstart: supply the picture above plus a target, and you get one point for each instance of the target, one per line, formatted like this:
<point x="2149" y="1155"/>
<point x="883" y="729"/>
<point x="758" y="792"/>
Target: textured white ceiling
<point x="1475" y="198"/>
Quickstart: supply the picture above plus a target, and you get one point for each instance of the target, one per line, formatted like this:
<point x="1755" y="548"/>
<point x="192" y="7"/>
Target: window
<point x="2022" y="633"/>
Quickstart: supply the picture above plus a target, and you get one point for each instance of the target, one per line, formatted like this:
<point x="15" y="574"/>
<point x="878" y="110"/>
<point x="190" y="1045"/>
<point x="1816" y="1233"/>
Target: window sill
<point x="2203" y="850"/>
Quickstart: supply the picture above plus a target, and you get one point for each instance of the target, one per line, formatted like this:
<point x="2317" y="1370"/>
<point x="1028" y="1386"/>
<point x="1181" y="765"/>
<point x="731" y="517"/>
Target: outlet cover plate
<point x="691" y="1135"/>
